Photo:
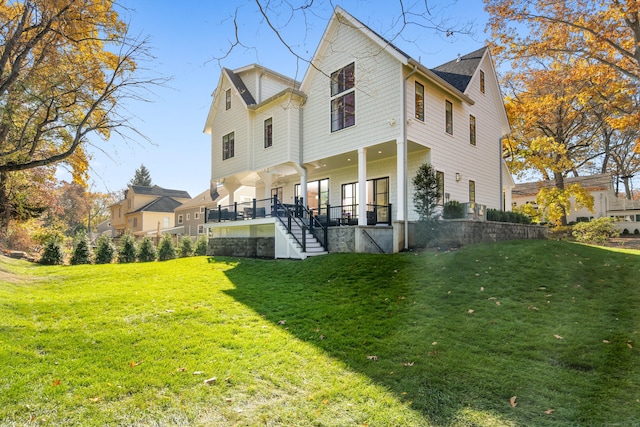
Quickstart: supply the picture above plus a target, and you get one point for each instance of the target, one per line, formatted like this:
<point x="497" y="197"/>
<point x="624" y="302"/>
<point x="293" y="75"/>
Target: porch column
<point x="231" y="189"/>
<point x="401" y="166"/>
<point x="302" y="171"/>
<point x="362" y="186"/>
<point x="267" y="178"/>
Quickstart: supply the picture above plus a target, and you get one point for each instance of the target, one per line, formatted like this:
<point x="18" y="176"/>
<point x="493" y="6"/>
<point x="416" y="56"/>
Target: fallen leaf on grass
<point x="210" y="381"/>
<point x="549" y="411"/>
<point x="95" y="399"/>
<point x="408" y="363"/>
<point x="133" y="363"/>
<point x="629" y="344"/>
<point x="281" y="322"/>
<point x="181" y="369"/>
<point x="513" y="402"/>
<point x="558" y="337"/>
<point x="606" y="341"/>
<point x="434" y="343"/>
<point x="372" y="357"/>
<point x="56" y="382"/>
<point x="198" y="373"/>
<point x="471" y="311"/>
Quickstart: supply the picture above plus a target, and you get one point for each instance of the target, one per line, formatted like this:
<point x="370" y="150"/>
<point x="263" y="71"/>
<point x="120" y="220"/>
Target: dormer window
<point x="343" y="98"/>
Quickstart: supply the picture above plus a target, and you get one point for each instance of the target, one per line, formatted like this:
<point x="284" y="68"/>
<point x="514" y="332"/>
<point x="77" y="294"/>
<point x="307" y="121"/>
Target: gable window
<point x="343" y="98"/>
<point x="227" y="99"/>
<point x="448" y="113"/>
<point x="472" y="129"/>
<point x="268" y="132"/>
<point x="472" y="192"/>
<point x="419" y="102"/>
<point x="228" y="142"/>
<point x="440" y="183"/>
<point x="481" y="81"/>
<point x="179" y="219"/>
<point x="188" y="217"/>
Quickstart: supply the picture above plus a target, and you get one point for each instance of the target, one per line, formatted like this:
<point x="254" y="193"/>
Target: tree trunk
<point x="5" y="206"/>
<point x="559" y="179"/>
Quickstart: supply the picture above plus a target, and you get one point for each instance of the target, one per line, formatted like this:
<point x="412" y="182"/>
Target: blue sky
<point x="186" y="38"/>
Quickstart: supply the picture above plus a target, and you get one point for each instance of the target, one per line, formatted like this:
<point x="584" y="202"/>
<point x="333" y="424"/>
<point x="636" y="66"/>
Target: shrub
<point x="636" y="231"/>
<point x="166" y="250"/>
<point x="186" y="247"/>
<point x="146" y="250"/>
<point x="508" y="216"/>
<point x="452" y="210"/>
<point x="81" y="253"/>
<point x="104" y="250"/>
<point x="127" y="251"/>
<point x="201" y="246"/>
<point x="625" y="232"/>
<point x="596" y="231"/>
<point x="52" y="252"/>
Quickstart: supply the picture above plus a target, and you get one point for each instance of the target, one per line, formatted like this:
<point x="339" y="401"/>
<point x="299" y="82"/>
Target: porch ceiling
<point x="375" y="152"/>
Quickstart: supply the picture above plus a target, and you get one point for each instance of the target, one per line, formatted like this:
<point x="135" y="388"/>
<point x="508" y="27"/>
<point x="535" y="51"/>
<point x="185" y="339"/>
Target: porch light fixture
<point x="457" y="176"/>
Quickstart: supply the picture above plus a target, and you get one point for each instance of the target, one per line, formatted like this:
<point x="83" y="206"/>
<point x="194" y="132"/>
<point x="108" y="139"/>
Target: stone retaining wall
<point x="464" y="232"/>
<point x="249" y="247"/>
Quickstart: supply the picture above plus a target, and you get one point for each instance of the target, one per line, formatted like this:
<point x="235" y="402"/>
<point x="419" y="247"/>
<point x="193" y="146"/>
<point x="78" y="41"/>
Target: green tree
<point x="104" y="250"/>
<point x="142" y="177"/>
<point x="201" y="246"/>
<point x="186" y="247"/>
<point x="52" y="252"/>
<point x="81" y="253"/>
<point x="166" y="249"/>
<point x="127" y="250"/>
<point x="146" y="250"/>
<point x="425" y="200"/>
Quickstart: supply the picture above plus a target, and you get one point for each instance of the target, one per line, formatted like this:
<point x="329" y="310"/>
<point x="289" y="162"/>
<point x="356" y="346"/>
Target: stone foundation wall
<point x="249" y="247"/>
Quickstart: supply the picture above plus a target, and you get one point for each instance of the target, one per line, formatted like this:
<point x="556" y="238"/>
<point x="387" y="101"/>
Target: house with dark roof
<point x="145" y="209"/>
<point x="346" y="142"/>
<point x="605" y="201"/>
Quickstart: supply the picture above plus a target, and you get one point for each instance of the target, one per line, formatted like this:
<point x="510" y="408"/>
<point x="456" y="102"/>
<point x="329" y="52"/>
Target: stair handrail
<point x="314" y="223"/>
<point x="279" y="207"/>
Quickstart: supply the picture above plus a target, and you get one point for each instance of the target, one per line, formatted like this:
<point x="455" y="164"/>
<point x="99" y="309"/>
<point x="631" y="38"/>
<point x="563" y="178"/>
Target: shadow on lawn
<point x="406" y="324"/>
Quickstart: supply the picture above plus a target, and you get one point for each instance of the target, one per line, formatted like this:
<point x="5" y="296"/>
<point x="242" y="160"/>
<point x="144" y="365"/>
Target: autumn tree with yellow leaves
<point x="66" y="67"/>
<point x="570" y="96"/>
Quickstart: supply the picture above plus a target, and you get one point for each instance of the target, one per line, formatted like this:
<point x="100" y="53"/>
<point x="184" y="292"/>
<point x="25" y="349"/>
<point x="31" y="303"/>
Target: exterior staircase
<point x="313" y="246"/>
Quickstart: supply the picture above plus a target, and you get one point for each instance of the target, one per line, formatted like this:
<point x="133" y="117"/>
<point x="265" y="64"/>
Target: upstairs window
<point x="419" y="102"/>
<point x="180" y="220"/>
<point x="227" y="99"/>
<point x="268" y="133"/>
<point x="448" y="113"/>
<point x="228" y="142"/>
<point x="343" y="98"/>
<point x="481" y="81"/>
<point x="472" y="129"/>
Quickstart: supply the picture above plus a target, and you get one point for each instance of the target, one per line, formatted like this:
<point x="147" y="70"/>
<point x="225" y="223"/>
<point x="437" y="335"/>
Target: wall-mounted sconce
<point x="392" y="122"/>
<point x="458" y="177"/>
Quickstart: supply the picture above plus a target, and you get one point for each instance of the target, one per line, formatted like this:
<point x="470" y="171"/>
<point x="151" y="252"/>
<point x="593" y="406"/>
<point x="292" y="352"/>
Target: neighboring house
<point x="191" y="215"/>
<point x="146" y="209"/>
<point x="349" y="138"/>
<point x="605" y="201"/>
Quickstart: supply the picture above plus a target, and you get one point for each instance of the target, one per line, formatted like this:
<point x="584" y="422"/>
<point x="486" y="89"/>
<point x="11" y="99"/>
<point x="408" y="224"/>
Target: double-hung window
<point x="419" y="102"/>
<point x="448" y="117"/>
<point x="268" y="132"/>
<point x="472" y="192"/>
<point x="440" y="184"/>
<point x="228" y="142"/>
<point x="343" y="98"/>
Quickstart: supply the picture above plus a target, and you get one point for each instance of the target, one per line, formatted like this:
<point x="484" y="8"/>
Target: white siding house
<point x="349" y="138"/>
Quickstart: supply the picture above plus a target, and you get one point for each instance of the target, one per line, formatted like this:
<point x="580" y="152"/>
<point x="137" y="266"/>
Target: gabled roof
<point x="601" y="182"/>
<point x="240" y="87"/>
<point x="162" y="204"/>
<point x="460" y="71"/>
<point x="341" y="16"/>
<point x="159" y="191"/>
<point x="204" y="199"/>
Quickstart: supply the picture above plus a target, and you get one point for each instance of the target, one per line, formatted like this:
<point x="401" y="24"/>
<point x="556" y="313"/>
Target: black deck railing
<point x="325" y="216"/>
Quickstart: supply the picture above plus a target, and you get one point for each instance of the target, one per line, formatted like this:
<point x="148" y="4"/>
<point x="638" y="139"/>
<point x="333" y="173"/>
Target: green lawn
<point x="538" y="333"/>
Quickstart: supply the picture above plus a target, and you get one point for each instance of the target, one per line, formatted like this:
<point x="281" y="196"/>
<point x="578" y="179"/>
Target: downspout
<point x="501" y="199"/>
<point x="403" y="120"/>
